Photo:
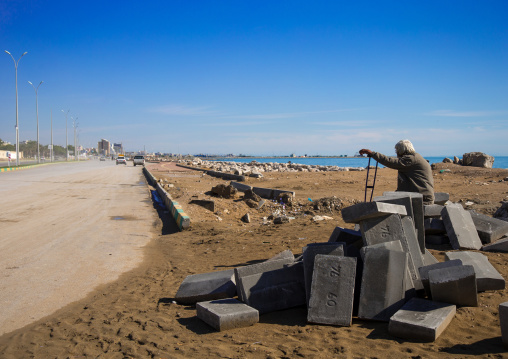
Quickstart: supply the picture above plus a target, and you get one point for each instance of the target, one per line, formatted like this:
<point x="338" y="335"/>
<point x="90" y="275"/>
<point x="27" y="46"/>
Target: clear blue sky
<point x="260" y="77"/>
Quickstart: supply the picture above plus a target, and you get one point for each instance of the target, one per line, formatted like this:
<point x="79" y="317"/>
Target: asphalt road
<point x="66" y="228"/>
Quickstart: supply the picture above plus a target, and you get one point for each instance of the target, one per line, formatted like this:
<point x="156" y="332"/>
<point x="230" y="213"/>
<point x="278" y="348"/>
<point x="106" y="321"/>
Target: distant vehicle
<point x="103" y="158"/>
<point x="139" y="160"/>
<point x="121" y="160"/>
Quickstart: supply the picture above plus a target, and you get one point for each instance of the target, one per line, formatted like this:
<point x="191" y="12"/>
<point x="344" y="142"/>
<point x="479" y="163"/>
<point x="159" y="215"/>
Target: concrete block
<point x="429" y="259"/>
<point x="227" y="314"/>
<point x="432" y="210"/>
<point x="489" y="229"/>
<point x="436" y="239"/>
<point x="487" y="277"/>
<point x="365" y="210"/>
<point x="276" y="289"/>
<point x="382" y="291"/>
<point x="499" y="246"/>
<point x="460" y="228"/>
<point x="345" y="235"/>
<point x="263" y="192"/>
<point x="441" y="198"/>
<point x="454" y="285"/>
<point x="417" y="213"/>
<point x="424" y="271"/>
<point x="421" y="319"/>
<point x="332" y="293"/>
<point x="393" y="227"/>
<point x="309" y="254"/>
<point x="287" y="254"/>
<point x="240" y="186"/>
<point x="434" y="226"/>
<point x="208" y="204"/>
<point x="206" y="286"/>
<point x="503" y="322"/>
<point x="256" y="269"/>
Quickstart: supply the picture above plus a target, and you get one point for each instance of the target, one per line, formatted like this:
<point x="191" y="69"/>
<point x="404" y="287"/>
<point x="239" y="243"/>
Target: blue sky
<point x="260" y="77"/>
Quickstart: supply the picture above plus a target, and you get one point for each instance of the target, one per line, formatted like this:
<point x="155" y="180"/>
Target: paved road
<point x="64" y="229"/>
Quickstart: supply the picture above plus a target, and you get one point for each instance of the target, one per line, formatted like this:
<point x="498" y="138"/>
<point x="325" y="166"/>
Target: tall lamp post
<point x="75" y="125"/>
<point x="17" y="122"/>
<point x="37" y="114"/>
<point x="66" y="144"/>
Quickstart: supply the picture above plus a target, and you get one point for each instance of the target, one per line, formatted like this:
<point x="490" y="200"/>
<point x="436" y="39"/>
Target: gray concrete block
<point x="345" y="235"/>
<point x="454" y="285"/>
<point x="434" y="226"/>
<point x="460" y="228"/>
<point x="206" y="286"/>
<point x="441" y="198"/>
<point x="383" y="289"/>
<point x="498" y="246"/>
<point x="489" y="229"/>
<point x="503" y="322"/>
<point x="255" y="269"/>
<point x="424" y="271"/>
<point x="263" y="192"/>
<point x="417" y="213"/>
<point x="436" y="239"/>
<point x="287" y="254"/>
<point x="276" y="289"/>
<point x="309" y="254"/>
<point x="332" y="293"/>
<point x="411" y="246"/>
<point x="365" y="210"/>
<point x="421" y="319"/>
<point x="432" y="210"/>
<point x="227" y="314"/>
<point x="240" y="186"/>
<point x="487" y="277"/>
<point x="429" y="259"/>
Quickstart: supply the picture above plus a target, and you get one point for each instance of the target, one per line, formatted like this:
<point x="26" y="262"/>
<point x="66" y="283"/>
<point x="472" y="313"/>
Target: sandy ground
<point x="67" y="228"/>
<point x="136" y="316"/>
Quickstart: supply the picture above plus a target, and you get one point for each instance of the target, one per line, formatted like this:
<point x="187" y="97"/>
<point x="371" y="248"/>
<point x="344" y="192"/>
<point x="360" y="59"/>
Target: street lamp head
<point x="8" y="52"/>
<point x="24" y="53"/>
<point x="30" y="83"/>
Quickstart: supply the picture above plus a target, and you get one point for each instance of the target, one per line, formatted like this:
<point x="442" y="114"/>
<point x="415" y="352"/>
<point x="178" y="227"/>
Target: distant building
<point x="104" y="147"/>
<point x="118" y="148"/>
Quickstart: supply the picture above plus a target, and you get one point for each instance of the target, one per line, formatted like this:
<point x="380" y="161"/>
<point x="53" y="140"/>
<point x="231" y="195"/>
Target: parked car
<point x="103" y="158"/>
<point x="120" y="160"/>
<point x="139" y="160"/>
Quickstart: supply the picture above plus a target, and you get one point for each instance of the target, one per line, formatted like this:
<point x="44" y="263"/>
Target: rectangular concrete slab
<point x="441" y="198"/>
<point x="454" y="285"/>
<point x="345" y="235"/>
<point x="487" y="277"/>
<point x="275" y="290"/>
<point x="460" y="228"/>
<point x="432" y="210"/>
<point x="503" y="322"/>
<point x="383" y="289"/>
<point x="240" y="186"/>
<point x="309" y="254"/>
<point x="365" y="210"/>
<point x="227" y="314"/>
<point x="206" y="286"/>
<point x="434" y="226"/>
<point x="498" y="246"/>
<point x="424" y="271"/>
<point x="489" y="229"/>
<point x="254" y="269"/>
<point x="287" y="254"/>
<point x="332" y="292"/>
<point x="421" y="319"/>
<point x="429" y="259"/>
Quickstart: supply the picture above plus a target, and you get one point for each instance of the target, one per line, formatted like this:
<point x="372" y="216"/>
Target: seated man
<point x="415" y="174"/>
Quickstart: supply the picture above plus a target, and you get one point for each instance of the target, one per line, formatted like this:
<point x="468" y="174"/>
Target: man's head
<point x="404" y="147"/>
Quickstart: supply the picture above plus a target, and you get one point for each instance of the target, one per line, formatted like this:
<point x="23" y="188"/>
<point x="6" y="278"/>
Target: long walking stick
<point x="367" y="182"/>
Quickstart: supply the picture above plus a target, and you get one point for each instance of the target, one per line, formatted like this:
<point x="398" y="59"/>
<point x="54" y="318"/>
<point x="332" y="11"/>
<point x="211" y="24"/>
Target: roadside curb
<point x="181" y="218"/>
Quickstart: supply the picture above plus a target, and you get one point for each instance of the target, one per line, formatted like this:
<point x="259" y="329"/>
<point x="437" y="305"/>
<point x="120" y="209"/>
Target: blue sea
<point x="499" y="161"/>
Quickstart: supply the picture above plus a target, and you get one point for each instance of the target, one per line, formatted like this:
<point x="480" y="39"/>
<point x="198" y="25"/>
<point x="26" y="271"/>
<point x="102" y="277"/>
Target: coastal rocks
<point x="477" y="159"/>
<point x="224" y="191"/>
<point x="502" y="212"/>
<point x="447" y="160"/>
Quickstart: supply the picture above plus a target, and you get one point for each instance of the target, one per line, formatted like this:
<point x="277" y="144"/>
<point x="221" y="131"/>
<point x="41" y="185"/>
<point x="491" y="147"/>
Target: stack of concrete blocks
<point x="387" y="274"/>
<point x="421" y="319"/>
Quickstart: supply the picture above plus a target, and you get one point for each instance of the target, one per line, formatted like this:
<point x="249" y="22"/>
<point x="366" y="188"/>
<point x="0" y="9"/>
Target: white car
<point x="121" y="160"/>
<point x="139" y="160"/>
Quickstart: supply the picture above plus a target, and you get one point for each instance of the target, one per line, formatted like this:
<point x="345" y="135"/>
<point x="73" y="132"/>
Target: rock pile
<point x="256" y="169"/>
<point x="380" y="272"/>
<point x="475" y="159"/>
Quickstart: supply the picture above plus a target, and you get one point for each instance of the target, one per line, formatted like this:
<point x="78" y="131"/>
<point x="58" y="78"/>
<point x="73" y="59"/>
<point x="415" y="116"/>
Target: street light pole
<point x="17" y="122"/>
<point x="66" y="143"/>
<point x="75" y="125"/>
<point x="51" y="153"/>
<point x="37" y="113"/>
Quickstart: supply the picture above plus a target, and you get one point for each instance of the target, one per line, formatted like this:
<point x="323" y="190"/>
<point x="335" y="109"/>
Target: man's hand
<point x="365" y="151"/>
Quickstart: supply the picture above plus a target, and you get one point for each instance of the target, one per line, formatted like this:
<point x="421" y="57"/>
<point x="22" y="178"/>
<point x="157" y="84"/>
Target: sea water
<point x="499" y="161"/>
